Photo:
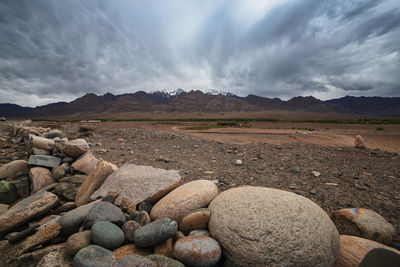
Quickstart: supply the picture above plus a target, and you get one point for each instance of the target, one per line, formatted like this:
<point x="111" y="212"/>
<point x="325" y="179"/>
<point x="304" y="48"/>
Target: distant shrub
<point x="379" y="129"/>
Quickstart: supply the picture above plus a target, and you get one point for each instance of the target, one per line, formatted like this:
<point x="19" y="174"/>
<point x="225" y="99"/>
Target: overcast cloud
<point x="59" y="50"/>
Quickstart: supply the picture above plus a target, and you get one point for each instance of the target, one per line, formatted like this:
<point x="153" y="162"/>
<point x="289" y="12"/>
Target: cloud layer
<point x="59" y="50"/>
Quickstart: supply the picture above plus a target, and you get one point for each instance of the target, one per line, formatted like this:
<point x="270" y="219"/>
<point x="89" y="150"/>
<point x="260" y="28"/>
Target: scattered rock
<point x="155" y="233"/>
<point x="363" y="223"/>
<point x="162" y="261"/>
<point x="353" y="249"/>
<point x="40" y="142"/>
<point x="129" y="228"/>
<point x="38" y="151"/>
<point x="94" y="181"/>
<point x="58" y="172"/>
<point x="55" y="259"/>
<point x="76" y="242"/>
<point x="94" y="256"/>
<point x="72" y="220"/>
<point x="316" y="174"/>
<point x="139" y="183"/>
<point x="85" y="163"/>
<point x="250" y="222"/>
<point x="44" y="161"/>
<point x="239" y="162"/>
<point x="131" y="249"/>
<point x="8" y="193"/>
<point x="199" y="233"/>
<point x="190" y="196"/>
<point x="135" y="260"/>
<point x="68" y="186"/>
<point x="10" y="170"/>
<point x="359" y="142"/>
<point x="75" y="148"/>
<point x="40" y="178"/>
<point x="107" y="235"/>
<point x="164" y="248"/>
<point x="104" y="211"/>
<point x="195" y="220"/>
<point x="26" y="210"/>
<point x="199" y="251"/>
<point x="380" y="257"/>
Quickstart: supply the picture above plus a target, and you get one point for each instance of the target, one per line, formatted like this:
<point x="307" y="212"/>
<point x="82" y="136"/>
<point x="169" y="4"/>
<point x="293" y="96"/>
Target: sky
<point x="54" y="51"/>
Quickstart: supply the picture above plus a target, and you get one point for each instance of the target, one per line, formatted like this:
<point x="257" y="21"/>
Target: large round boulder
<point x="259" y="226"/>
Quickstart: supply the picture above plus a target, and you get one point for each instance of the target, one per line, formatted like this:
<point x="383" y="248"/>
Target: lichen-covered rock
<point x="8" y="193"/>
<point x="68" y="186"/>
<point x="55" y="259"/>
<point x="131" y="249"/>
<point x="270" y="227"/>
<point x="94" y="256"/>
<point x="40" y="177"/>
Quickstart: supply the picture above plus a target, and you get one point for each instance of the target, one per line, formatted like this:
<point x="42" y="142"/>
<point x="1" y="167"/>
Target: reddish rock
<point x="165" y="248"/>
<point x="32" y="258"/>
<point x="55" y="259"/>
<point x="26" y="210"/>
<point x="199" y="251"/>
<point x="135" y="260"/>
<point x="40" y="178"/>
<point x="195" y="220"/>
<point x="11" y="169"/>
<point x="94" y="180"/>
<point x="75" y="148"/>
<point x="131" y="249"/>
<point x="363" y="223"/>
<point x="139" y="183"/>
<point x="359" y="142"/>
<point x="190" y="196"/>
<point x="353" y="249"/>
<point x="86" y="163"/>
<point x="76" y="242"/>
<point x="129" y="229"/>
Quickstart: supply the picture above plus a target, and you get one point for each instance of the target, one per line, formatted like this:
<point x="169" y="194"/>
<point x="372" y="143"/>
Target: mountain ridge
<point x="198" y="101"/>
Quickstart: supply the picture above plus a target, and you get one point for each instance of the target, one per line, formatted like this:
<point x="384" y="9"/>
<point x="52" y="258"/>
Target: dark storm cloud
<point x="59" y="50"/>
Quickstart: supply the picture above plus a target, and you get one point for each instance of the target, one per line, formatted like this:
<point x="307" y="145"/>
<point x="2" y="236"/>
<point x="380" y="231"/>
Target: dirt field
<point x="278" y="155"/>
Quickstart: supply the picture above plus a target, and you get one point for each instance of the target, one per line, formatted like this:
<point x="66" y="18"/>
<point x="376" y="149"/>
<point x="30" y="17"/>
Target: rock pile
<point x="77" y="210"/>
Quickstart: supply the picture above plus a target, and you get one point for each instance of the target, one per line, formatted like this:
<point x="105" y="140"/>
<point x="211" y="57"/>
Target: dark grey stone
<point x="73" y="219"/>
<point x="19" y="236"/>
<point x="155" y="233"/>
<point x="104" y="211"/>
<point x="107" y="235"/>
<point x="94" y="256"/>
<point x="44" y="161"/>
<point x="145" y="206"/>
<point x="380" y="257"/>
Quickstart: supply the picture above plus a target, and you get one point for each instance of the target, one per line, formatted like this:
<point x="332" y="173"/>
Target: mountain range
<point x="197" y="101"/>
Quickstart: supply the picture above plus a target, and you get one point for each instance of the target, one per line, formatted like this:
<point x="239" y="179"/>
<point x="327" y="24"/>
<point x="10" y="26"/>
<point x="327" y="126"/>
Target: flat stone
<point x="85" y="163"/>
<point x="31" y="259"/>
<point x="11" y="169"/>
<point x="139" y="183"/>
<point x="55" y="259"/>
<point x="195" y="220"/>
<point x="155" y="233"/>
<point x="41" y="143"/>
<point x="363" y="223"/>
<point x="135" y="260"/>
<point x="129" y="228"/>
<point x="72" y="220"/>
<point x="162" y="261"/>
<point x="197" y="251"/>
<point x="44" y="161"/>
<point x="9" y="252"/>
<point x="187" y="197"/>
<point x="164" y="248"/>
<point x="94" y="256"/>
<point x="26" y="210"/>
<point x="8" y="193"/>
<point x="353" y="249"/>
<point x="76" y="242"/>
<point x="38" y="151"/>
<point x="104" y="211"/>
<point x="75" y="148"/>
<point x="131" y="249"/>
<point x="94" y="181"/>
<point x="107" y="235"/>
<point x="380" y="257"/>
<point x="251" y="222"/>
<point x="40" y="178"/>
